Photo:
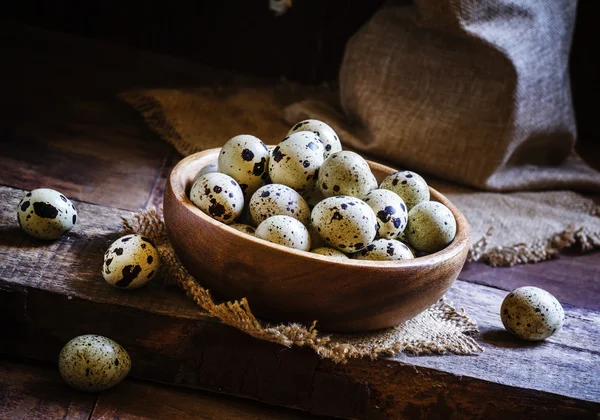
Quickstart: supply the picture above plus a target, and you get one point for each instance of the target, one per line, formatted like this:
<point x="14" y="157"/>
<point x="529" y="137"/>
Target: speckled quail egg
<point x="385" y="250"/>
<point x="46" y="214"/>
<point x="431" y="226"/>
<point x="326" y="134"/>
<point x="130" y="262"/>
<point x="316" y="240"/>
<point x="242" y="227"/>
<point x="93" y="363"/>
<point x="329" y="252"/>
<point x="208" y="169"/>
<point x="345" y="223"/>
<point x="219" y="196"/>
<point x="390" y="210"/>
<point x="346" y="173"/>
<point x="296" y="160"/>
<point x="312" y="196"/>
<point x="410" y="186"/>
<point x="531" y="313"/>
<point x="277" y="199"/>
<point x="284" y="230"/>
<point x="245" y="158"/>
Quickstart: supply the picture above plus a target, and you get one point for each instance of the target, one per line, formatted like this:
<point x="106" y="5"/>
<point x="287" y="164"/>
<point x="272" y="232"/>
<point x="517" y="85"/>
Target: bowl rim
<point x="460" y="240"/>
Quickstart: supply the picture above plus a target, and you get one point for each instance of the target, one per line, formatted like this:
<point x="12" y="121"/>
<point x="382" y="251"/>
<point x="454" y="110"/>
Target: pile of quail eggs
<point x="309" y="194"/>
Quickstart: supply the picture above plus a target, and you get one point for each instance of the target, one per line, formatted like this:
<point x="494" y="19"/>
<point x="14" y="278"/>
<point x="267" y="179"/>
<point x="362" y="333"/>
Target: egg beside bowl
<point x="284" y="284"/>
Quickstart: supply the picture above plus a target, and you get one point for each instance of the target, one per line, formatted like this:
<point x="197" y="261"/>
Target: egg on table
<point x="284" y="230"/>
<point x="46" y="214"/>
<point x="296" y="160"/>
<point x="531" y="313"/>
<point x="326" y="134"/>
<point x="431" y="227"/>
<point x="410" y="186"/>
<point x="219" y="196"/>
<point x="346" y="173"/>
<point x="346" y="223"/>
<point x="385" y="250"/>
<point x="93" y="363"/>
<point x="245" y="158"/>
<point x="130" y="262"/>
<point x="277" y="199"/>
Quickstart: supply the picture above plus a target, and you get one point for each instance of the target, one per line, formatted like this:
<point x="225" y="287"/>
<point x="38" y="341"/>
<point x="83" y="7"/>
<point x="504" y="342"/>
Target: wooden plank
<point x="36" y="392"/>
<point x="140" y="400"/>
<point x="52" y="292"/>
<point x="574" y="279"/>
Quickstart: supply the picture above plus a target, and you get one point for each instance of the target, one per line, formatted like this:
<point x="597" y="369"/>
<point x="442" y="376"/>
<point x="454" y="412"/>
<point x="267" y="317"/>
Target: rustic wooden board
<point x="573" y="278"/>
<point x="36" y="391"/>
<point x="51" y="292"/>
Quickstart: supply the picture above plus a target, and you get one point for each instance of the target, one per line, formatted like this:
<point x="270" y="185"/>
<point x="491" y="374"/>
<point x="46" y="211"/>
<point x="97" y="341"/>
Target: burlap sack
<point x="471" y="91"/>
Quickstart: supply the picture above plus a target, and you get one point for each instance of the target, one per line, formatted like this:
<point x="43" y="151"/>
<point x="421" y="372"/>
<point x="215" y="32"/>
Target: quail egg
<point x="329" y="252"/>
<point x="219" y="196"/>
<point x="277" y="199"/>
<point x="346" y="173"/>
<point x="390" y="210"/>
<point x="312" y="196"/>
<point x="208" y="169"/>
<point x="330" y="140"/>
<point x="431" y="226"/>
<point x="245" y="158"/>
<point x="531" y="313"/>
<point x="46" y="214"/>
<point x="385" y="250"/>
<point x="410" y="186"/>
<point x="284" y="230"/>
<point x="130" y="262"/>
<point x="345" y="223"/>
<point x="316" y="241"/>
<point x="296" y="160"/>
<point x="93" y="363"/>
<point x="243" y="228"/>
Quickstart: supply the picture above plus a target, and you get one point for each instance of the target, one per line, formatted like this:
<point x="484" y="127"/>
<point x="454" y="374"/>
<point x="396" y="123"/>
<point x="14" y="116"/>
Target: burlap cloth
<point x="506" y="228"/>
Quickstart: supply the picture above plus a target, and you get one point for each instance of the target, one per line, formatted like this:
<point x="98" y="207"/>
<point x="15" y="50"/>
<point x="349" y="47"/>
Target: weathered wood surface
<point x="573" y="278"/>
<point x="37" y="392"/>
<point x="50" y="292"/>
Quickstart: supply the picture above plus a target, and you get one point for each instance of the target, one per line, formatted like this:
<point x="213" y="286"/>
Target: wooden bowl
<point x="284" y="284"/>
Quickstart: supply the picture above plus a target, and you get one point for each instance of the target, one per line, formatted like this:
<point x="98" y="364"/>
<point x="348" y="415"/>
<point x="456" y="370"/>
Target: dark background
<point x="306" y="44"/>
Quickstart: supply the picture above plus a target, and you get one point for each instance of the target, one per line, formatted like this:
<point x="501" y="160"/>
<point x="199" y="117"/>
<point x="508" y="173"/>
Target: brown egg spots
<point x="45" y="210"/>
<point x="277" y="155"/>
<point x="63" y="198"/>
<point x="149" y="259"/>
<point x="130" y="273"/>
<point x="217" y="189"/>
<point x="74" y="218"/>
<point x="247" y="155"/>
<point x="259" y="167"/>
<point x="118" y="251"/>
<point x="25" y="206"/>
<point x="216" y="209"/>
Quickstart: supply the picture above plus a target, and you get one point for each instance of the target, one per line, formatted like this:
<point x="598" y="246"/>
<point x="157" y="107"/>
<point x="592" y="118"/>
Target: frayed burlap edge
<point x="542" y="250"/>
<point x="452" y="336"/>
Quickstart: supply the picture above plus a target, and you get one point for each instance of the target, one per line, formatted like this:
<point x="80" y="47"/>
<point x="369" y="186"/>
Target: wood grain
<point x="139" y="400"/>
<point x="35" y="392"/>
<point x="286" y="284"/>
<point x="573" y="279"/>
<point x="170" y="341"/>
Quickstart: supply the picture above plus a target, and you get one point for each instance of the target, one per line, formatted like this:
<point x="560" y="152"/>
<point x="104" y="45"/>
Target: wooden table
<point x="100" y="154"/>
